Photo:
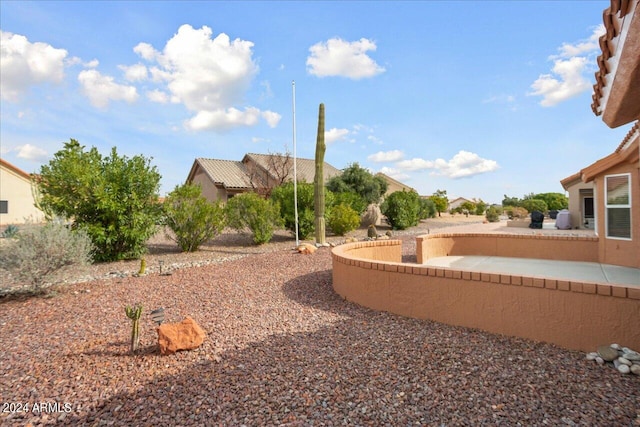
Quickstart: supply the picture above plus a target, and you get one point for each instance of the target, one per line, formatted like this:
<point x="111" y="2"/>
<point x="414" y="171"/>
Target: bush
<point x="283" y="197"/>
<point x="492" y="214"/>
<point x="427" y="208"/>
<point x="402" y="209"/>
<point x="514" y="212"/>
<point x="343" y="219"/>
<point x="114" y="198"/>
<point x="10" y="232"/>
<point x="40" y="255"/>
<point x="192" y="218"/>
<point x="351" y="199"/>
<point x="249" y="211"/>
<point x="535" y="205"/>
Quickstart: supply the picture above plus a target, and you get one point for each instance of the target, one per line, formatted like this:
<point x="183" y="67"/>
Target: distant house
<point x="393" y="185"/>
<point x="223" y="179"/>
<point x="16" y="198"/>
<point x="616" y="177"/>
<point x="457" y="202"/>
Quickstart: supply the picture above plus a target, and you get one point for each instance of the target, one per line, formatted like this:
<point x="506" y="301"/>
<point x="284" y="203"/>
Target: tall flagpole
<point x="295" y="171"/>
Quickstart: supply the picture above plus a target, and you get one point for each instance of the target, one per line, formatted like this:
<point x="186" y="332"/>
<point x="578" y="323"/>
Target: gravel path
<point x="283" y="349"/>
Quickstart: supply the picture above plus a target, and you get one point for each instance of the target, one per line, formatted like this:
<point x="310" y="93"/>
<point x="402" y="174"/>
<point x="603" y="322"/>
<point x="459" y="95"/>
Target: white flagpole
<point x="295" y="171"/>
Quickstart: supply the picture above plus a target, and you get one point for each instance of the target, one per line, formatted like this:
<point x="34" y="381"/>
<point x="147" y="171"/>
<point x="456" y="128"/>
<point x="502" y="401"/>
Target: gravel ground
<point x="281" y="349"/>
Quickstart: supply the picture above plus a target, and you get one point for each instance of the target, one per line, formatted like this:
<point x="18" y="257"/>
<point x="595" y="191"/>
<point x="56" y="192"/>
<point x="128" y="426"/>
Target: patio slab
<point x="563" y="270"/>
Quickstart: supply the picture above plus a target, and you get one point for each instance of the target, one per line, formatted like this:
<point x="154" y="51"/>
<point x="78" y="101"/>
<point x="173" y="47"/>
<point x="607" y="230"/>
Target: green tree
<point x="441" y="201"/>
<point x="402" y="209"/>
<point x="250" y="211"/>
<point x="535" y="205"/>
<point x="554" y="201"/>
<point x="511" y="201"/>
<point x="359" y="181"/>
<point x="427" y="208"/>
<point x="481" y="207"/>
<point x="468" y="208"/>
<point x="352" y="200"/>
<point x="192" y="218"/>
<point x="114" y="198"/>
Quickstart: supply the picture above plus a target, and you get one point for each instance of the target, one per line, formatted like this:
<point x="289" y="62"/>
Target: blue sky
<point x="480" y="99"/>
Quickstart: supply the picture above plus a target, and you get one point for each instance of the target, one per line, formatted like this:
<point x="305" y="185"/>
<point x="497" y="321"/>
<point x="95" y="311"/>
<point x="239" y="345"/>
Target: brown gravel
<point x="282" y="349"/>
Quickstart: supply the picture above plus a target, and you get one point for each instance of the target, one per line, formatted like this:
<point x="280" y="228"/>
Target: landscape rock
<point x="608" y="353"/>
<point x="624" y="369"/>
<point x="624" y="361"/>
<point x="306" y="248"/>
<point x="186" y="335"/>
<point x="635" y="369"/>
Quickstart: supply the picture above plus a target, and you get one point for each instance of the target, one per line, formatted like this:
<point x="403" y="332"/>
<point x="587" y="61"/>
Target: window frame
<point x="626" y="206"/>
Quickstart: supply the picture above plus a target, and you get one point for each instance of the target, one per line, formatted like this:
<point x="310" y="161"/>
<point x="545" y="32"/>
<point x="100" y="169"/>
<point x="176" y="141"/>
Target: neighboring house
<point x="455" y="203"/>
<point x="616" y="178"/>
<point x="16" y="198"/>
<point x="394" y="185"/>
<point x="223" y="179"/>
<point x="581" y="201"/>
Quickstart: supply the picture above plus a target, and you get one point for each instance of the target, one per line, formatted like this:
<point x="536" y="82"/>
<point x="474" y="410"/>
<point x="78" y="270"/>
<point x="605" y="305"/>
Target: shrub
<point x="10" y="232"/>
<point x="514" y="212"/>
<point x="343" y="219"/>
<point x="249" y="211"/>
<point x="284" y="197"/>
<point x="360" y="181"/>
<point x="192" y="218"/>
<point x="535" y="205"/>
<point x="492" y="214"/>
<point x="351" y="199"/>
<point x="114" y="198"/>
<point x="402" y="209"/>
<point x="40" y="255"/>
<point x="427" y="208"/>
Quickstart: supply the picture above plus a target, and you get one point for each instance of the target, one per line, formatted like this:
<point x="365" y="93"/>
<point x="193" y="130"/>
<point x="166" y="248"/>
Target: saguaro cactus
<point x="134" y="314"/>
<point x="318" y="180"/>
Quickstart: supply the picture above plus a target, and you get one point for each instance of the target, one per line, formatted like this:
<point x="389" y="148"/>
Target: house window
<point x="4" y="206"/>
<point x="618" y="206"/>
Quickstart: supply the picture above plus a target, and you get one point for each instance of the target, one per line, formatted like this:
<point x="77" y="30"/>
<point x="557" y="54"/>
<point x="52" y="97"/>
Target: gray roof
<point x="305" y="168"/>
<point x="234" y="174"/>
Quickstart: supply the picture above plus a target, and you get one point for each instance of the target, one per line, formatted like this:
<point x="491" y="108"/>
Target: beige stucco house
<point x="581" y="201"/>
<point x="16" y="199"/>
<point x="616" y="178"/>
<point x="223" y="179"/>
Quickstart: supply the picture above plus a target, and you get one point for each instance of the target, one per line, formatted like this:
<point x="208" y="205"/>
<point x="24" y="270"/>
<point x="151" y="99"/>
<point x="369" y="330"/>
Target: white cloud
<point x="209" y="75"/>
<point x="337" y="57"/>
<point x="158" y="96"/>
<point x="394" y="173"/>
<point x="335" y="134"/>
<point x="24" y="64"/>
<point x="386" y="156"/>
<point x="92" y="64"/>
<point x="570" y="82"/>
<point x="569" y="76"/>
<point x="463" y="164"/>
<point x="31" y="152"/>
<point x="101" y="89"/>
<point x="135" y="73"/>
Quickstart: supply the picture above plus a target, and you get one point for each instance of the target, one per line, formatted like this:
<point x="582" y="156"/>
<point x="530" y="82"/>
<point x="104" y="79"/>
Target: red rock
<point x="306" y="248"/>
<point x="185" y="335"/>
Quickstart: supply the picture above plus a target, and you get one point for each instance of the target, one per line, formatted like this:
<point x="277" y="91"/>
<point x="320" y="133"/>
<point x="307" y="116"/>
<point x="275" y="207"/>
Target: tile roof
<point x="633" y="133"/>
<point x="230" y="173"/>
<point x="15" y="169"/>
<point x="621" y="13"/>
<point x="305" y="168"/>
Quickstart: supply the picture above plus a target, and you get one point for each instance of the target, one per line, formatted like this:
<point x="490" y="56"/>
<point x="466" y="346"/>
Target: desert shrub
<point x="284" y="197"/>
<point x="192" y="218"/>
<point x="343" y="219"/>
<point x="427" y="208"/>
<point x="10" y="232"/>
<point x="492" y="214"/>
<point x="554" y="201"/>
<point x="535" y="205"/>
<point x="355" y="179"/>
<point x="514" y="212"/>
<point x="40" y="255"/>
<point x="351" y="199"/>
<point x="250" y="211"/>
<point x="402" y="209"/>
<point x="481" y="208"/>
<point x="113" y="198"/>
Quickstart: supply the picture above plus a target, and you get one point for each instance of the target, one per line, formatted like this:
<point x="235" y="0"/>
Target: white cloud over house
<point x="209" y="75"/>
<point x="386" y="156"/>
<point x="24" y="64"/>
<point x="395" y="173"/>
<point x="569" y="75"/>
<point x="337" y="57"/>
<point x="464" y="164"/>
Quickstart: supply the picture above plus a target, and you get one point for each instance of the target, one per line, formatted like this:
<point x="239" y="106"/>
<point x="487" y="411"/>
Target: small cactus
<point x="143" y="267"/>
<point x="372" y="232"/>
<point x="134" y="314"/>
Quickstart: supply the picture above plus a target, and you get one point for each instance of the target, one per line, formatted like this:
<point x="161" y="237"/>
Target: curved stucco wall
<point x="573" y="315"/>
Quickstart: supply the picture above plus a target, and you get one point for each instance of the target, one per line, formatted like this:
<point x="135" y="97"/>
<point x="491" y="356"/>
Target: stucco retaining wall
<point x="573" y="315"/>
